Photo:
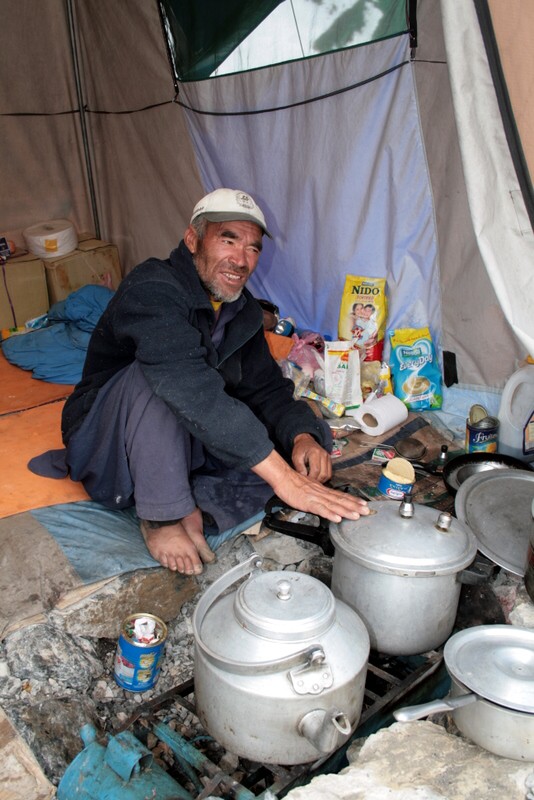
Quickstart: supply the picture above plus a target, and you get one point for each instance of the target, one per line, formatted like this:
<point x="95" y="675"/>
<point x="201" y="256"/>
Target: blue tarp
<point x="100" y="543"/>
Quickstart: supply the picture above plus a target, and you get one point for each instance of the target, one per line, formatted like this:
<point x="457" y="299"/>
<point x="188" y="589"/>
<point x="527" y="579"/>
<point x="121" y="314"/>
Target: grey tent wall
<point x="474" y="326"/>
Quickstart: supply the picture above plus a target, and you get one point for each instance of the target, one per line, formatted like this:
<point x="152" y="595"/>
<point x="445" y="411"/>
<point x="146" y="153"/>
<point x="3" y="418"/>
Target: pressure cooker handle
<point x="308" y="533"/>
<point x="313" y="654"/>
<point x="477" y="573"/>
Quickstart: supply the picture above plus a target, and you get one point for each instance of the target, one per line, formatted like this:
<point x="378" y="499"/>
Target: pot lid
<point x="495" y="662"/>
<point x="497" y="508"/>
<point x="427" y="543"/>
<point x="286" y="606"/>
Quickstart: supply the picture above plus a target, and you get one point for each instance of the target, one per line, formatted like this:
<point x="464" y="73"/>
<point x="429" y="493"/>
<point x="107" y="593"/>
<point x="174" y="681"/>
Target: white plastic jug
<point x="516" y="414"/>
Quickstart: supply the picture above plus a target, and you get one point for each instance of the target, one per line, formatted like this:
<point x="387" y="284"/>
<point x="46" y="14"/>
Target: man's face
<point x="226" y="257"/>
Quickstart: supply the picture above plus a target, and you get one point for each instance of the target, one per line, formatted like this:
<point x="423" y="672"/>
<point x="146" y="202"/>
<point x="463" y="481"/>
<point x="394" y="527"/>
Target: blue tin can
<point x="140" y="652"/>
<point x="482" y="436"/>
<point x="393" y="489"/>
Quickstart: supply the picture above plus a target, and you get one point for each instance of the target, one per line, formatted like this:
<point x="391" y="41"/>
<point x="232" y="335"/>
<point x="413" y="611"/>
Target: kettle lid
<point x="286" y="606"/>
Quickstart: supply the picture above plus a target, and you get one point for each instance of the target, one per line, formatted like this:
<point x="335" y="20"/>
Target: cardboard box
<point x="93" y="262"/>
<point x="23" y="290"/>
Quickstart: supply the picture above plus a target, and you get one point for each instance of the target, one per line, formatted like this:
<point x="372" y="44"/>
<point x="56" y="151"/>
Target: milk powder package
<point x="362" y="315"/>
<point x="415" y="371"/>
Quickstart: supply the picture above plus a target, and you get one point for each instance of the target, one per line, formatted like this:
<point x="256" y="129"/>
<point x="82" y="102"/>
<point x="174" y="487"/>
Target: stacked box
<point x="93" y="262"/>
<point x="23" y="290"/>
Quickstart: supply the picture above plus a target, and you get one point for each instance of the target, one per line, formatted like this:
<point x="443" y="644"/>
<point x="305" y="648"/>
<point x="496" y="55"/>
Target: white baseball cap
<point x="225" y="205"/>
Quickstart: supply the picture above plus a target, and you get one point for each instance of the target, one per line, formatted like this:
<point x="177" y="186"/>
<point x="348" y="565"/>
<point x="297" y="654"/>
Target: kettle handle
<point x="313" y="654"/>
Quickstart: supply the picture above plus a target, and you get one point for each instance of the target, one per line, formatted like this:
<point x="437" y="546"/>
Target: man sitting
<point x="178" y="371"/>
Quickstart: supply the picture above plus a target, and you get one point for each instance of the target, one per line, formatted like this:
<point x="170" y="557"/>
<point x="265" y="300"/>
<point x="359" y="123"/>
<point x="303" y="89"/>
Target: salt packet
<point x="342" y="375"/>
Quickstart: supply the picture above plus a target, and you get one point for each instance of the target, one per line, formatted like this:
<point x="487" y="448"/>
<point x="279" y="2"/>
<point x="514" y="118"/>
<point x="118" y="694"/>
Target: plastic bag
<point x="342" y="375"/>
<point x="363" y="314"/>
<point x="414" y="369"/>
<point x="306" y="356"/>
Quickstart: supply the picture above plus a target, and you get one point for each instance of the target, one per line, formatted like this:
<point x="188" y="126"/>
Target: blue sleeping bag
<point x="56" y="352"/>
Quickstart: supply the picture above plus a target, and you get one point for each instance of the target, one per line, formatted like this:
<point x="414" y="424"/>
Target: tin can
<point x="394" y="489"/>
<point x="482" y="436"/>
<point x="140" y="652"/>
<point x="397" y="478"/>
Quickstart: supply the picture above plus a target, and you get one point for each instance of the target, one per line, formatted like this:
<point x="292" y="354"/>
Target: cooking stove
<point x="163" y="749"/>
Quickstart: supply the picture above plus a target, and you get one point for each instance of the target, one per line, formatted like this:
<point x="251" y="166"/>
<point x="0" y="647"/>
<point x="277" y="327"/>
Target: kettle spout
<point x="326" y="730"/>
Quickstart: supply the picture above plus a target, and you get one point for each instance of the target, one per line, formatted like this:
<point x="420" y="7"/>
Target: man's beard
<point x="219" y="296"/>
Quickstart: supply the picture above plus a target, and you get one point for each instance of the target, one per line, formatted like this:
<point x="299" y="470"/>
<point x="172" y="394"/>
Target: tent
<point x="402" y="154"/>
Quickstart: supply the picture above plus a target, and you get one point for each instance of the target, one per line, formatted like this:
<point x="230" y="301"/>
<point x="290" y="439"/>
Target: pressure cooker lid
<point x="495" y="662"/>
<point x="286" y="606"/>
<point x="428" y="543"/>
<point x="497" y="508"/>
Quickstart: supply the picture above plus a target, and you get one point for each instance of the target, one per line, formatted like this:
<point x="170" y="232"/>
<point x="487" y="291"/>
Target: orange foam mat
<point x="19" y="390"/>
<point x="24" y="435"/>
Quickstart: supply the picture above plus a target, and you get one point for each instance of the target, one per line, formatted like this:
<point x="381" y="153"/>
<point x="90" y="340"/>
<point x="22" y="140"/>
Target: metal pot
<point x="280" y="665"/>
<point x="492" y="689"/>
<point x="401" y="569"/>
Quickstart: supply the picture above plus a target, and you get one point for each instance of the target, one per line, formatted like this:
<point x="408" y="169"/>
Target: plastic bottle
<point x="516" y="414"/>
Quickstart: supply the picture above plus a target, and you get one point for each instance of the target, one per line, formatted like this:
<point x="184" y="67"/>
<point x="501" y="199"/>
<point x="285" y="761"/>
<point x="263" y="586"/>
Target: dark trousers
<point x="131" y="450"/>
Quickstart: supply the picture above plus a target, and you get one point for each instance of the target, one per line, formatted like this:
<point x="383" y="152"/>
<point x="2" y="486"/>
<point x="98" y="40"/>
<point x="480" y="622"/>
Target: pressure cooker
<point x="400" y="568"/>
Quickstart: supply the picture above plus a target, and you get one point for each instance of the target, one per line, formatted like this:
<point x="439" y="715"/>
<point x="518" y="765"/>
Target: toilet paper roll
<point x="380" y="415"/>
<point x="51" y="239"/>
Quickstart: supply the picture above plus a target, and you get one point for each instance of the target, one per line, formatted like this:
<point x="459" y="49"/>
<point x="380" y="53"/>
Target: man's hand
<point x="310" y="459"/>
<point x="308" y="494"/>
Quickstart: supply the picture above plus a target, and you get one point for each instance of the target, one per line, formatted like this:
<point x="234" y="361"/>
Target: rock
<point x="523" y="612"/>
<point x="285" y="550"/>
<point x="43" y="652"/>
<point x="153" y="591"/>
<point x="52" y="730"/>
<point x="419" y="760"/>
<point x="21" y="777"/>
<point x="319" y="566"/>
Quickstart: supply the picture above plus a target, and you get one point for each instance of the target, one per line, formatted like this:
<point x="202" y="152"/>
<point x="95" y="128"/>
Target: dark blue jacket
<point x="234" y="399"/>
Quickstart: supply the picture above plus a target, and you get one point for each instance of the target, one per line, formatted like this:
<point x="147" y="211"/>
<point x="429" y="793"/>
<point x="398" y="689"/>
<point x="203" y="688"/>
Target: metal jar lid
<point x="495" y="662"/>
<point x="428" y="543"/>
<point x="286" y="606"/>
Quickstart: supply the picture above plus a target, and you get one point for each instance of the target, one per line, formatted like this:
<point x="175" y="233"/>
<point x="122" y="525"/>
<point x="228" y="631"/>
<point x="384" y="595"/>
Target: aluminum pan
<point x="496" y="506"/>
<point x="459" y="468"/>
<point x="495" y="662"/>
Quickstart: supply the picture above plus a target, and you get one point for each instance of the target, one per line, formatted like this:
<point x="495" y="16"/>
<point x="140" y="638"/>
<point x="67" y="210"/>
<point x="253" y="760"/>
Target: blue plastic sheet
<point x="100" y="543"/>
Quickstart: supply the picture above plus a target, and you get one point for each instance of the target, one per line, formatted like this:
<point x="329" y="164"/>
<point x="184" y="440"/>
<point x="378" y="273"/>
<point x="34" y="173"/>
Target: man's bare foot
<point x="194" y="527"/>
<point x="181" y="547"/>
